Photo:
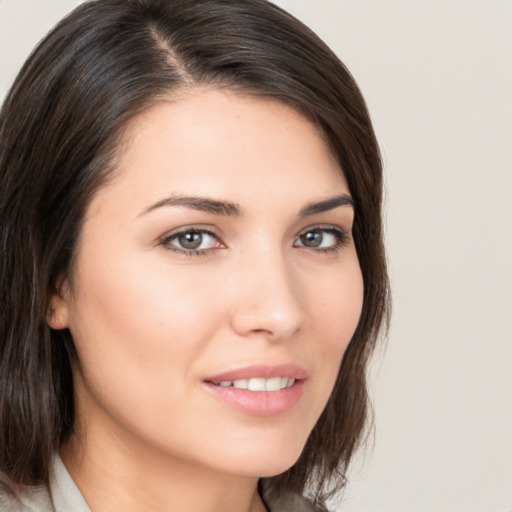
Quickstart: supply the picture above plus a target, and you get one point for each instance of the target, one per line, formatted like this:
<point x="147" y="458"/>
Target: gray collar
<point x="64" y="496"/>
<point x="64" y="492"/>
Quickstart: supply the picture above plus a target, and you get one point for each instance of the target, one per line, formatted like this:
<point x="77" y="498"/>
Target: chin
<point x="263" y="461"/>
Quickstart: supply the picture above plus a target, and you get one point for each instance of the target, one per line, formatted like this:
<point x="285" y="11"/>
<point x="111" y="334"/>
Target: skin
<point x="151" y="321"/>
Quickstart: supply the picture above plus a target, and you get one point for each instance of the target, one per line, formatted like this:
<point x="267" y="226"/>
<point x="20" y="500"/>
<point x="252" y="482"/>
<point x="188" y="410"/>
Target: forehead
<point x="220" y="143"/>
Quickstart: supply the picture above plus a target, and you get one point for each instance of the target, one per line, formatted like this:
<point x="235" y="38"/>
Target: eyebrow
<point x="230" y="209"/>
<point x="202" y="204"/>
<point x="326" y="205"/>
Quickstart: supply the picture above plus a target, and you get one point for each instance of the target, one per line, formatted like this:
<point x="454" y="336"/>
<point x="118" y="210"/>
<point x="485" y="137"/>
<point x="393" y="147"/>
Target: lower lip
<point x="259" y="403"/>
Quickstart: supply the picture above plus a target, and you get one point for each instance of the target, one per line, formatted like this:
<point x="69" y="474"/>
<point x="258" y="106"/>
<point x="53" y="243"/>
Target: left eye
<point x="321" y="238"/>
<point x="191" y="240"/>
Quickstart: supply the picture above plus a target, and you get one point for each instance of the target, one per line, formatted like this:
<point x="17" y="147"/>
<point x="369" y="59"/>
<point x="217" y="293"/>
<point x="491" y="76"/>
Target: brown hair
<point x="59" y="128"/>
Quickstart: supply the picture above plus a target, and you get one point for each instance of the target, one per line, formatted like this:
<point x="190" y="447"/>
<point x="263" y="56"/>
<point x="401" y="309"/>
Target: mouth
<point x="260" y="390"/>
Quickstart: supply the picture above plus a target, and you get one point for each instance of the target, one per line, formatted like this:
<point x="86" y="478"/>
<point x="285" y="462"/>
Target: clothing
<point x="64" y="496"/>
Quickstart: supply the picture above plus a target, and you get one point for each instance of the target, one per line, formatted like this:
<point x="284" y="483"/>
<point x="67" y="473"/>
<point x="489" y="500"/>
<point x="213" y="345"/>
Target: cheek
<point x="138" y="339"/>
<point x="133" y="300"/>
<point x="337" y="305"/>
<point x="136" y="326"/>
<point x="335" y="310"/>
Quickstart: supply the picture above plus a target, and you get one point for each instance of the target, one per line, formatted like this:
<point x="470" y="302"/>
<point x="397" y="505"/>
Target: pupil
<point x="190" y="240"/>
<point x="312" y="239"/>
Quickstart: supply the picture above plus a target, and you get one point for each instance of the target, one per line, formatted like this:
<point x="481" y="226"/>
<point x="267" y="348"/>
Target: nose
<point x="267" y="299"/>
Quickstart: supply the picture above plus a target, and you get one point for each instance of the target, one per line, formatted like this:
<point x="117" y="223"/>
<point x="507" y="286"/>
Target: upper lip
<point x="292" y="371"/>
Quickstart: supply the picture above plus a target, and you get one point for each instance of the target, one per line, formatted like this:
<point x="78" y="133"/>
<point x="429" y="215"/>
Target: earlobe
<point x="57" y="316"/>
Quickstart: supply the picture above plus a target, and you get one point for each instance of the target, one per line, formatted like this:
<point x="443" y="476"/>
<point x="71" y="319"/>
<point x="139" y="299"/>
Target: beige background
<point x="437" y="75"/>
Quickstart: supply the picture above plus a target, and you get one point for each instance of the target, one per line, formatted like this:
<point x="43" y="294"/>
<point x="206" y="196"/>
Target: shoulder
<point x="62" y="496"/>
<point x="290" y="502"/>
<point x="29" y="499"/>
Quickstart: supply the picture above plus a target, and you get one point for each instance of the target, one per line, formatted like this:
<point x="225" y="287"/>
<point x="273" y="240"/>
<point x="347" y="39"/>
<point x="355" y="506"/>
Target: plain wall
<point x="437" y="76"/>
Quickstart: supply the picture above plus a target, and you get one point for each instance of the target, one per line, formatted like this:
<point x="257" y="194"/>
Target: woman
<point x="193" y="274"/>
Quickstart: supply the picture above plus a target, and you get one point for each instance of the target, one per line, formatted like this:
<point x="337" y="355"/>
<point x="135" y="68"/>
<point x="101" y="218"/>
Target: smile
<point x="259" y="384"/>
<point x="260" y="390"/>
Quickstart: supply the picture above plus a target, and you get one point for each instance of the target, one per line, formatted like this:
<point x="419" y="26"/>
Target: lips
<point x="260" y="390"/>
<point x="290" y="371"/>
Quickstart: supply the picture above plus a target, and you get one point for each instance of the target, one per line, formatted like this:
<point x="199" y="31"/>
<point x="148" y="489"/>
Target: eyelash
<point x="341" y="236"/>
<point x="166" y="241"/>
<point x="342" y="240"/>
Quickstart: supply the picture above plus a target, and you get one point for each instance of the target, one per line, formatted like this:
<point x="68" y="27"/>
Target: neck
<point x="118" y="472"/>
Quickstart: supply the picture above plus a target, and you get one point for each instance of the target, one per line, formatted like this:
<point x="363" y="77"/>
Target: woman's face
<point x="218" y="262"/>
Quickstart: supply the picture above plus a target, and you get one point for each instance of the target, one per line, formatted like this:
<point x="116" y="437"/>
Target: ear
<point x="57" y="316"/>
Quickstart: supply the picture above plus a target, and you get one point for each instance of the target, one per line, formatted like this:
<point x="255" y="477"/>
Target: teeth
<point x="273" y="384"/>
<point x="256" y="385"/>
<point x="259" y="384"/>
<point x="240" y="384"/>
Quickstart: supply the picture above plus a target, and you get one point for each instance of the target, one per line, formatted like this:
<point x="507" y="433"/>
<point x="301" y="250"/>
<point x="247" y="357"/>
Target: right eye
<point x="192" y="241"/>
